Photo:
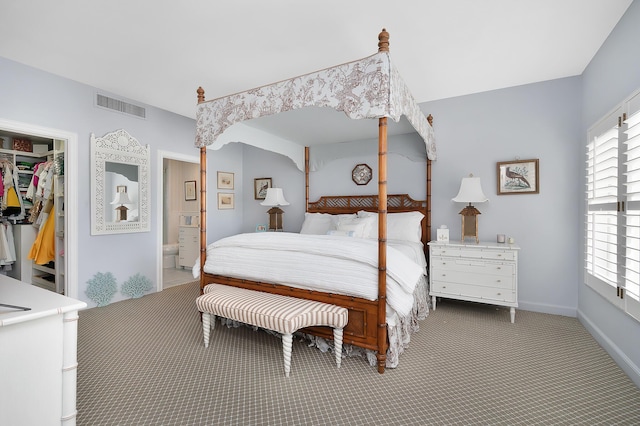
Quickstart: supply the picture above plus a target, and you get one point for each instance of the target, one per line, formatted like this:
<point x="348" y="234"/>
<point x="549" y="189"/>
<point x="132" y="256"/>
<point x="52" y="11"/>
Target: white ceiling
<point x="159" y="52"/>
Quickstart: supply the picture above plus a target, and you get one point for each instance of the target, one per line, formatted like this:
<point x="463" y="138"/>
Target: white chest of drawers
<point x="188" y="245"/>
<point x="484" y="272"/>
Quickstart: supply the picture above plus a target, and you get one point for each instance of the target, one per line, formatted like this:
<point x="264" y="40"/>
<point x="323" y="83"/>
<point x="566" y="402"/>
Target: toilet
<point x="169" y="255"/>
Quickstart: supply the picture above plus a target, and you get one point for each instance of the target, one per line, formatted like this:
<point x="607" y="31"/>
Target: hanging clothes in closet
<point x="42" y="214"/>
<point x="11" y="204"/>
<point x="7" y="246"/>
<point x="11" y="209"/>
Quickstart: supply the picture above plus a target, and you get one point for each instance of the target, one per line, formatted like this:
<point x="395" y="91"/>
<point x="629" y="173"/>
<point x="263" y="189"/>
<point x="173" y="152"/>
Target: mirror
<point x="119" y="184"/>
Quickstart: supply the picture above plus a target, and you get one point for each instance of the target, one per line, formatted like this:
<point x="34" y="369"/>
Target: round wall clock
<point x="361" y="174"/>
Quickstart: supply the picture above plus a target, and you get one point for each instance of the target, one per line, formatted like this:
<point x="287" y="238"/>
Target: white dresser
<point x="38" y="355"/>
<point x="484" y="272"/>
<point x="189" y="245"/>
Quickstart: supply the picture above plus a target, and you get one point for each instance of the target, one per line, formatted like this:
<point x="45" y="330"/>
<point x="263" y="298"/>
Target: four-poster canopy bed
<point x="368" y="88"/>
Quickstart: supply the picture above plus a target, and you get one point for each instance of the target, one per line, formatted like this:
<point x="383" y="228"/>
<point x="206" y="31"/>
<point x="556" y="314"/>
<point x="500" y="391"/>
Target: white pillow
<point x="405" y="226"/>
<point x="317" y="223"/>
<point x="341" y="233"/>
<point x="336" y="218"/>
<point x="361" y="226"/>
<point x="320" y="223"/>
<point x="373" y="230"/>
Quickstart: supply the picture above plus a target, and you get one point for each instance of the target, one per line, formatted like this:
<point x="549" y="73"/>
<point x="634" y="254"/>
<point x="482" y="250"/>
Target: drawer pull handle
<point x="499" y="281"/>
<point x="499" y="294"/>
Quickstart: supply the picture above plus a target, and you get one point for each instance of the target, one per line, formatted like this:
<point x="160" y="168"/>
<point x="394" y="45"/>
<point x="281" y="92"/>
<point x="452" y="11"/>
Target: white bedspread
<point x="326" y="263"/>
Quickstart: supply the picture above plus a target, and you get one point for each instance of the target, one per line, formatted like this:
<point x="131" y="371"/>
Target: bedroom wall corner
<point x="535" y="121"/>
<point x="604" y="86"/>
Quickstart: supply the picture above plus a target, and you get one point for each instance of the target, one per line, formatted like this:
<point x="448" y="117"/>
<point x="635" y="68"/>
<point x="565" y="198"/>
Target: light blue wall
<point x="39" y="98"/>
<point x="612" y="75"/>
<point x="540" y="121"/>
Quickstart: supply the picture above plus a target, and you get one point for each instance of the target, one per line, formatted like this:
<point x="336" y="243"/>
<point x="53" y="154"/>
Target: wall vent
<point x="120" y="106"/>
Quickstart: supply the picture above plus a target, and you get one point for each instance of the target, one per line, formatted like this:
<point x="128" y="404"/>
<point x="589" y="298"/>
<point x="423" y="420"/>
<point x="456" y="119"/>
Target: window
<point x="612" y="224"/>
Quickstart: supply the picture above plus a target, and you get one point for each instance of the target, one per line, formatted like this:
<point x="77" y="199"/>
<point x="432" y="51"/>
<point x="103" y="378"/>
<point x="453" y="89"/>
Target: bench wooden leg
<point x="337" y="345"/>
<point x="287" y="341"/>
<point x="206" y="327"/>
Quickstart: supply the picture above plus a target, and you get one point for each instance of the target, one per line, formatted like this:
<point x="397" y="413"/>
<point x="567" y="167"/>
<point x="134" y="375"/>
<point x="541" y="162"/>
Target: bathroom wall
<point x="176" y="173"/>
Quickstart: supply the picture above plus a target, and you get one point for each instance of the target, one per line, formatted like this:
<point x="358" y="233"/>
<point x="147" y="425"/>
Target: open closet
<point x="32" y="209"/>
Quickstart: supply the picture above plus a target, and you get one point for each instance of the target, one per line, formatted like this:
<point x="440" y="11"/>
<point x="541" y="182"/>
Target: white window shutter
<point x="631" y="141"/>
<point x="601" y="257"/>
<point x="612" y="223"/>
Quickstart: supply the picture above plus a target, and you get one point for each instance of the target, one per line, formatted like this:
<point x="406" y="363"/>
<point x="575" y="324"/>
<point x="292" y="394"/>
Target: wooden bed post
<point x="383" y="46"/>
<point x="306" y="179"/>
<point x="203" y="202"/>
<point x="427" y="213"/>
<point x="382" y="244"/>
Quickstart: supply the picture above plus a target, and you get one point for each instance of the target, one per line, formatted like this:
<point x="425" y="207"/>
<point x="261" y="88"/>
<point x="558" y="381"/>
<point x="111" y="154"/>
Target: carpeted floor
<point x="143" y="362"/>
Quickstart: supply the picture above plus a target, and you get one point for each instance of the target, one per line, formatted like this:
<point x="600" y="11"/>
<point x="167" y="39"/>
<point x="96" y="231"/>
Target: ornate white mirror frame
<point x="113" y="157"/>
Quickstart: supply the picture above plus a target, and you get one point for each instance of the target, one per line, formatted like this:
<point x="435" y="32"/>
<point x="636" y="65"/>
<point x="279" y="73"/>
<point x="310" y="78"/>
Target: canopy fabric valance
<point x="368" y="88"/>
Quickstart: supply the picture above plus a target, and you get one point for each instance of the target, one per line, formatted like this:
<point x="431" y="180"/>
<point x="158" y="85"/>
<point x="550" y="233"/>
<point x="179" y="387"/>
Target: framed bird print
<point x="260" y="186"/>
<point x="518" y="177"/>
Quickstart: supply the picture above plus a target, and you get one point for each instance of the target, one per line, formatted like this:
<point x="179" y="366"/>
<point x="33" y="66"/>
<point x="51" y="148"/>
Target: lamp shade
<point x="274" y="197"/>
<point x="121" y="198"/>
<point x="470" y="191"/>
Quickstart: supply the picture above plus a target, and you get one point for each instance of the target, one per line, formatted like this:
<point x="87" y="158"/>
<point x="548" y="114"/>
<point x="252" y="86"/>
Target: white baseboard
<point x="623" y="361"/>
<point x="548" y="309"/>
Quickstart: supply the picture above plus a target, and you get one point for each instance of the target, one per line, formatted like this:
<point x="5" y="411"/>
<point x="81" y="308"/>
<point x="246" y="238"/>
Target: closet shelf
<point x="25" y="153"/>
<point x="44" y="281"/>
<point x="44" y="268"/>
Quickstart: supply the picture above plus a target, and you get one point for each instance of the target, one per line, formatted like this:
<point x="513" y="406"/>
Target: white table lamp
<point x="274" y="199"/>
<point x="470" y="192"/>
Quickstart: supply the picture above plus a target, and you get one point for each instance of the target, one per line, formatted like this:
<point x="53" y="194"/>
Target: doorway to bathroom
<point x="179" y="218"/>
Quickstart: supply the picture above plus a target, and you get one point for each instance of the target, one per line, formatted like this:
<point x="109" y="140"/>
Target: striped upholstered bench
<point x="274" y="312"/>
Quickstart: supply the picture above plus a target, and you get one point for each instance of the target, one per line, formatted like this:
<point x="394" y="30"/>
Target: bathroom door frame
<point x="162" y="155"/>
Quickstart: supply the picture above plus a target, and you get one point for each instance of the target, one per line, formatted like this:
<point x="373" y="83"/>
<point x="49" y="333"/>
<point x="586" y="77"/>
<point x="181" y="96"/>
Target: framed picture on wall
<point x="226" y="201"/>
<point x="518" y="177"/>
<point x="260" y="186"/>
<point x="225" y="180"/>
<point x="190" y="190"/>
<point x="121" y="188"/>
